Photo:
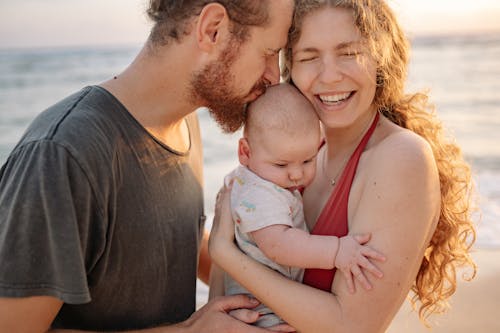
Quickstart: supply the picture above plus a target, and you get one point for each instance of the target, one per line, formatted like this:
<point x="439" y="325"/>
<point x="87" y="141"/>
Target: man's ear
<point x="243" y="151"/>
<point x="211" y="25"/>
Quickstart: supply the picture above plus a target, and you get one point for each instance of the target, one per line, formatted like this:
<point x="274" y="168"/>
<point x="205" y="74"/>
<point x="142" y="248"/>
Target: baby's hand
<point x="353" y="255"/>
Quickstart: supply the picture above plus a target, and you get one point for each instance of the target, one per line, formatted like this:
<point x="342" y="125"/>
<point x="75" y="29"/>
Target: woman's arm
<point x="297" y="248"/>
<point x="216" y="282"/>
<point x="204" y="263"/>
<point x="399" y="207"/>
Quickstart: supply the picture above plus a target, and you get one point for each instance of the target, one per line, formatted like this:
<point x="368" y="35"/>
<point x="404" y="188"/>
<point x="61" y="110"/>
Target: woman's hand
<point x="222" y="235"/>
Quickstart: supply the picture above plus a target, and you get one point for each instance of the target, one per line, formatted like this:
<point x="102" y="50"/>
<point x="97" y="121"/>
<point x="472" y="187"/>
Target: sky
<point x="48" y="23"/>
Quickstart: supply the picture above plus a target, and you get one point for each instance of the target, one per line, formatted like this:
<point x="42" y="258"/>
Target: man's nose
<point x="272" y="72"/>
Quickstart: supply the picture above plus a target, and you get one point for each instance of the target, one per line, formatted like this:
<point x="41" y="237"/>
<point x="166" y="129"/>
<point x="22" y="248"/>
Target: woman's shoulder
<point x="398" y="148"/>
<point x="400" y="159"/>
<point x="399" y="182"/>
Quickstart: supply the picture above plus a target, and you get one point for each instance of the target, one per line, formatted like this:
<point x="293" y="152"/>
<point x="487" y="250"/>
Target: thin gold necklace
<point x="333" y="180"/>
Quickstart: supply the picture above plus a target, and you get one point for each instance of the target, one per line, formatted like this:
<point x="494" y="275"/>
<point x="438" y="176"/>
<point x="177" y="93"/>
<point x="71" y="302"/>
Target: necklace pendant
<point x="332" y="182"/>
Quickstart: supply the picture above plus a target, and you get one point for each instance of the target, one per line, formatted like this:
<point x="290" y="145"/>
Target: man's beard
<point x="212" y="85"/>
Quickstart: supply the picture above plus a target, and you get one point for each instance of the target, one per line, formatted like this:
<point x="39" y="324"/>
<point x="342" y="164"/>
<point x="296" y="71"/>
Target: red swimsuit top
<point x="333" y="218"/>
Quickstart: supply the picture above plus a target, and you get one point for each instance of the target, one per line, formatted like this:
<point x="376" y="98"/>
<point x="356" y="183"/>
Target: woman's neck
<point x="344" y="140"/>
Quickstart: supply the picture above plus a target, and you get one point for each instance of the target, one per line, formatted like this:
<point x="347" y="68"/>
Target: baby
<point x="277" y="154"/>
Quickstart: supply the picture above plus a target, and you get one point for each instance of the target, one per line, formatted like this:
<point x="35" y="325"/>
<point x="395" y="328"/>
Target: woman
<point x="386" y="168"/>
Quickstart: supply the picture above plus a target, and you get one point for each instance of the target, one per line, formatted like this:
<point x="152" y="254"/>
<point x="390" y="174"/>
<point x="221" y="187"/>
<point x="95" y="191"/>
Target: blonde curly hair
<point x="450" y="245"/>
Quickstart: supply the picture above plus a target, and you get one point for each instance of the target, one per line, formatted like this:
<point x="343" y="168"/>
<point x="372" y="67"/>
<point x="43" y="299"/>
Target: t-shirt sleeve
<point x="257" y="207"/>
<point x="51" y="230"/>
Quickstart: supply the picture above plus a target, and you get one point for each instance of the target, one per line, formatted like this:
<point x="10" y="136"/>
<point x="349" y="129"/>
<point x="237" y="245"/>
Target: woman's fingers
<point x="222" y="233"/>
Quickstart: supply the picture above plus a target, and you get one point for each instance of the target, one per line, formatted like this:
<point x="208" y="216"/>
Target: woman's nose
<point x="331" y="71"/>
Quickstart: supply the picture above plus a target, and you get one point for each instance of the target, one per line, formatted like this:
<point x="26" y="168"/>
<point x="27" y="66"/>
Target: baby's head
<point x="281" y="137"/>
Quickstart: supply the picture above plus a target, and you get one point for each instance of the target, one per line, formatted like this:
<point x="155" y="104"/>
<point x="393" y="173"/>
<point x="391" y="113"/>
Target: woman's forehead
<point x="328" y="24"/>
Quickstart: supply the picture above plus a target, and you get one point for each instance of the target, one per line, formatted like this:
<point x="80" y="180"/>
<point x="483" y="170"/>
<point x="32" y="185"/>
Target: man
<point x="101" y="207"/>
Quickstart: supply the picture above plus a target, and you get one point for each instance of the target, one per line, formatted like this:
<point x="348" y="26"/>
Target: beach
<point x="461" y="72"/>
<point x="474" y="306"/>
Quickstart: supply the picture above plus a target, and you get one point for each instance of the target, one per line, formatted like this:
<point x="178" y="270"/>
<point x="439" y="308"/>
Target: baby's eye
<point x="280" y="165"/>
<point x="308" y="161"/>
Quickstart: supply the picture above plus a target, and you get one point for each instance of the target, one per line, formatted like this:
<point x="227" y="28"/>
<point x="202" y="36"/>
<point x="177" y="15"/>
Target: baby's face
<point x="287" y="161"/>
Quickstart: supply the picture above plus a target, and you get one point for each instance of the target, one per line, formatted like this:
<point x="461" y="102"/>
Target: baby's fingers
<point x="370" y="267"/>
<point x="349" y="280"/>
<point x="360" y="276"/>
<point x="368" y="252"/>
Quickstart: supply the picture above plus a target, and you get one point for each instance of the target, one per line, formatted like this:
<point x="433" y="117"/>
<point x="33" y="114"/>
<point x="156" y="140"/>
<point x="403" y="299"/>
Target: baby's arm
<point x="294" y="247"/>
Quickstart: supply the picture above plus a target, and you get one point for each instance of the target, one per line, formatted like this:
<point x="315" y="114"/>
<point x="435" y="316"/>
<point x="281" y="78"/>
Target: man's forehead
<point x="280" y="9"/>
<point x="280" y="16"/>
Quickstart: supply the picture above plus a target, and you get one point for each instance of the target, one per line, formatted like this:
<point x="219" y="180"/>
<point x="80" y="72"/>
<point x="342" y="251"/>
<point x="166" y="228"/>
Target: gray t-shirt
<point x="98" y="213"/>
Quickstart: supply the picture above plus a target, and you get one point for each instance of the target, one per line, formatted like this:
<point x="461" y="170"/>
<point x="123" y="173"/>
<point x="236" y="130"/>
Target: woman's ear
<point x="243" y="151"/>
<point x="212" y="23"/>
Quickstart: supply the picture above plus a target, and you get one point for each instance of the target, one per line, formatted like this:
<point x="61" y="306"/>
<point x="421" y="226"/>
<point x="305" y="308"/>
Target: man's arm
<point x="29" y="314"/>
<point x="35" y="314"/>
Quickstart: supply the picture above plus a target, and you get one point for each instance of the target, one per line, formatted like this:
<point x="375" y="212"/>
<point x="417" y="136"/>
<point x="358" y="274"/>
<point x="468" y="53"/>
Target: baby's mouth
<point x="299" y="188"/>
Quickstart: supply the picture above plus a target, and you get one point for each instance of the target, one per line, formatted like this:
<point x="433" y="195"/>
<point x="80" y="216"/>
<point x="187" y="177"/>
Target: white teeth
<point x="334" y="98"/>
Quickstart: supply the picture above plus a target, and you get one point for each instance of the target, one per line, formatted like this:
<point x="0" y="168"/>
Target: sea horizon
<point x="462" y="72"/>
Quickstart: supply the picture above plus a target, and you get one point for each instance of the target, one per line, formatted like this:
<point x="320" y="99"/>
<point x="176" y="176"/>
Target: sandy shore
<point x="475" y="307"/>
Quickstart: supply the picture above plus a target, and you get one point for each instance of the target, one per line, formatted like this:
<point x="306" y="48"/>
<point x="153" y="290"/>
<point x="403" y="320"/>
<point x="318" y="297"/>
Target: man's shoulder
<point x="85" y="125"/>
<point x="84" y="117"/>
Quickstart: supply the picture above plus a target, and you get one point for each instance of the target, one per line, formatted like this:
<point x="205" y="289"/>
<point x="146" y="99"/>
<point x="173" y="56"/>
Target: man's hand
<point x="226" y="314"/>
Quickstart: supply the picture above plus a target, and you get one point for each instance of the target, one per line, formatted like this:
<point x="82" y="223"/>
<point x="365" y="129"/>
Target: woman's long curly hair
<point x="450" y="245"/>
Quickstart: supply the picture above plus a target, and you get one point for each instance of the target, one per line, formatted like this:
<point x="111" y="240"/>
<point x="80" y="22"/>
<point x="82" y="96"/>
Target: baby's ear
<point x="243" y="151"/>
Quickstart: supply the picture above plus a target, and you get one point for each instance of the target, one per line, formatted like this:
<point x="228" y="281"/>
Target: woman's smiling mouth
<point x="336" y="98"/>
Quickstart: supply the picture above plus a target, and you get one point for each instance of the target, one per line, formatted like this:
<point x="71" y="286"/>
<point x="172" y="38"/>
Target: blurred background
<point x="51" y="48"/>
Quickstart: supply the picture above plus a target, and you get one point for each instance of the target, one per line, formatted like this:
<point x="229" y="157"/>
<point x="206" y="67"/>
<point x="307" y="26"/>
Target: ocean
<point x="461" y="72"/>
